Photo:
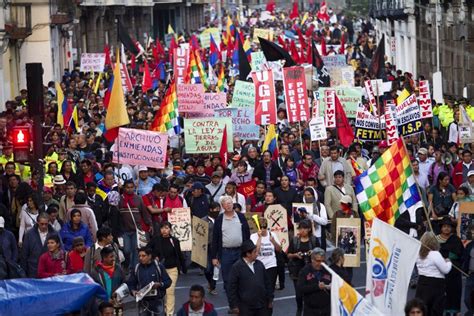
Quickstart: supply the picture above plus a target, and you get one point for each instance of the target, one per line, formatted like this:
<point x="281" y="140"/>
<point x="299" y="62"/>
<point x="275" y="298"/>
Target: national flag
<point x="305" y="17"/>
<point x="281" y="41"/>
<point x="391" y="258"/>
<point x="301" y="38"/>
<point x="97" y="83"/>
<point x="170" y="30"/>
<point x="64" y="114"/>
<point x="244" y="65"/>
<point x="161" y="71"/>
<point x="345" y="300"/>
<point x="116" y="111"/>
<point x="221" y="82"/>
<point x="74" y="126"/>
<point x="214" y="53"/>
<point x="294" y="12"/>
<point x="377" y="63"/>
<point x="202" y="72"/>
<point x="247" y="48"/>
<point x="273" y="52"/>
<point x="166" y="119"/>
<point x="345" y="131"/>
<point x="126" y="40"/>
<point x="388" y="187"/>
<point x="270" y="7"/>
<point x="271" y="142"/>
<point x="146" y="80"/>
<point x="223" y="153"/>
<point x="194" y="43"/>
<point x="228" y="31"/>
<point x="317" y="61"/>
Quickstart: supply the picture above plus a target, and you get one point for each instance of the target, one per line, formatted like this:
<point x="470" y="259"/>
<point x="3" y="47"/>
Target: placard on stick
<point x="277" y="221"/>
<point x="180" y="219"/>
<point x="348" y="239"/>
<point x="200" y="241"/>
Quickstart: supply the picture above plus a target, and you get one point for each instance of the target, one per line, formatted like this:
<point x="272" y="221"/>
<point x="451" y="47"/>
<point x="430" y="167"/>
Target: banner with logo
<point x="408" y="117"/>
<point x="345" y="300"/>
<point x="180" y="64"/>
<point x="181" y="228"/>
<point x="277" y="220"/>
<point x="390" y="122"/>
<point x="265" y="97"/>
<point x="349" y="98"/>
<point x="330" y="102"/>
<point x="204" y="135"/>
<point x="296" y="96"/>
<point x="392" y="257"/>
<point x="368" y="126"/>
<point x="190" y="98"/>
<point x="424" y="99"/>
<point x="371" y="95"/>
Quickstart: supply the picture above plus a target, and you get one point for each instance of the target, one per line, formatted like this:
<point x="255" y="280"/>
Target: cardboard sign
<point x="204" y="135"/>
<point x="190" y="98"/>
<point x="200" y="241"/>
<point x="295" y="213"/>
<point x="92" y="62"/>
<point x="180" y="64"/>
<point x="349" y="98"/>
<point x="348" y="238"/>
<point x="205" y="37"/>
<point x="214" y="101"/>
<point x="243" y="121"/>
<point x="296" y="96"/>
<point x="424" y="99"/>
<point x="368" y="126"/>
<point x="258" y="61"/>
<point x="265" y="97"/>
<point x="408" y="117"/>
<point x="140" y="147"/>
<point x="390" y="122"/>
<point x="181" y="228"/>
<point x="263" y="33"/>
<point x="317" y="128"/>
<point x="244" y="95"/>
<point x="277" y="220"/>
<point x="330" y="100"/>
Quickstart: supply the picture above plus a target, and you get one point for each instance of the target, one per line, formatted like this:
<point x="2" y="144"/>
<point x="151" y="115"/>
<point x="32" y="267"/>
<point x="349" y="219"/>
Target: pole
<point x="378" y="107"/>
<point x="437" y="17"/>
<point x="301" y="139"/>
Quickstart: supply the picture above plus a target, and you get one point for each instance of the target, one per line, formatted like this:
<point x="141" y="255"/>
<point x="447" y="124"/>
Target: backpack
<point x="161" y="291"/>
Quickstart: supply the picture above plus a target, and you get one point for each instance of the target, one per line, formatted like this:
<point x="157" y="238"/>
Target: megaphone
<point x="447" y="158"/>
<point x="255" y="218"/>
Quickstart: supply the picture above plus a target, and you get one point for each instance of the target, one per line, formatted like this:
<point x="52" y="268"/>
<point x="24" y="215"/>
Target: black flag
<point x="244" y="65"/>
<point x="377" y="63"/>
<point x="273" y="52"/>
<point x="323" y="74"/>
<point x="126" y="40"/>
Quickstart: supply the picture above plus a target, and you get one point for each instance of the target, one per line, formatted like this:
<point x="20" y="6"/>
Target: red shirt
<point x="77" y="262"/>
<point x="150" y="200"/>
<point x="48" y="267"/>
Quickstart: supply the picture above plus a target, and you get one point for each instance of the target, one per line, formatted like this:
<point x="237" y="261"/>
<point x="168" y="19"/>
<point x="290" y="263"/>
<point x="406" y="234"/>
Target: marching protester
<point x="196" y="304"/>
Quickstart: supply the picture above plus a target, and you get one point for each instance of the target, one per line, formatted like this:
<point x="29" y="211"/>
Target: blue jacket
<point x="8" y="245"/>
<point x="217" y="234"/>
<point x="143" y="274"/>
<point x="68" y="234"/>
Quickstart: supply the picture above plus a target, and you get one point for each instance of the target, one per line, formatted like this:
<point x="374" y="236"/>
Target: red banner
<point x="180" y="64"/>
<point x="265" y="97"/>
<point x="247" y="188"/>
<point x="424" y="99"/>
<point x="296" y="96"/>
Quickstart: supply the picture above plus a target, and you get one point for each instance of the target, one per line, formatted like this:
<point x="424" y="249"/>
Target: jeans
<point x="170" y="298"/>
<point x="229" y="257"/>
<point x="130" y="250"/>
<point x="272" y="276"/>
<point x="150" y="307"/>
<point x="468" y="288"/>
<point x="209" y="272"/>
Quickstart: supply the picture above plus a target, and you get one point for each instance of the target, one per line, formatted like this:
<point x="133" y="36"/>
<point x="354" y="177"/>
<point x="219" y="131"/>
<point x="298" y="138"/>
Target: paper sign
<point x="244" y="95"/>
<point x="205" y="37"/>
<point x="243" y="122"/>
<point x="334" y="61"/>
<point x="140" y="147"/>
<point x="317" y="128"/>
<point x="190" y="97"/>
<point x="263" y="33"/>
<point x="92" y="62"/>
<point x="258" y="60"/>
<point x="200" y="241"/>
<point x="368" y="126"/>
<point x="180" y="219"/>
<point x="277" y="220"/>
<point x="349" y="98"/>
<point x="408" y="117"/>
<point x="205" y="135"/>
<point x="214" y="101"/>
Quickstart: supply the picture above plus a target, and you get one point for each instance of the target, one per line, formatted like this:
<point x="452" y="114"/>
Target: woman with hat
<point x="451" y="247"/>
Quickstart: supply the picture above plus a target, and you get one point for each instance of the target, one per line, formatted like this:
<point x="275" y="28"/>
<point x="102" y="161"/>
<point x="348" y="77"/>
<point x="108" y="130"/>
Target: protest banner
<point x="141" y="147"/>
<point x="408" y="117"/>
<point x="200" y="241"/>
<point x="277" y="221"/>
<point x="251" y="221"/>
<point x="465" y="127"/>
<point x="330" y="101"/>
<point x="265" y="97"/>
<point x="368" y="126"/>
<point x="205" y="37"/>
<point x="335" y="77"/>
<point x="424" y="99"/>
<point x="242" y="121"/>
<point x="263" y="33"/>
<point x="390" y="122"/>
<point x="345" y="300"/>
<point x="125" y="77"/>
<point x="348" y="238"/>
<point x="92" y="62"/>
<point x="392" y="256"/>
<point x="190" y="98"/>
<point x="369" y="89"/>
<point x="317" y="128"/>
<point x="247" y="189"/>
<point x="349" y="98"/>
<point x="181" y="228"/>
<point x="244" y="95"/>
<point x="180" y="64"/>
<point x="213" y="101"/>
<point x="258" y="61"/>
<point x="204" y="135"/>
<point x="296" y="96"/>
<point x="334" y="61"/>
<point x="347" y="76"/>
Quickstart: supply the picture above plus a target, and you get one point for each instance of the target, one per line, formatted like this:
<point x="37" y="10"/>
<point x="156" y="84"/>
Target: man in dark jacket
<point x="7" y="243"/>
<point x="314" y="284"/>
<point x="146" y="271"/>
<point x="267" y="166"/>
<point x="196" y="304"/>
<point x="34" y="244"/>
<point x="249" y="286"/>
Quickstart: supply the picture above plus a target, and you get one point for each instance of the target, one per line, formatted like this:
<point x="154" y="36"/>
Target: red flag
<point x="323" y="46"/>
<point x="343" y="43"/>
<point x="107" y="55"/>
<point x="322" y="15"/>
<point x="309" y="31"/>
<point x="344" y="129"/>
<point x="271" y="5"/>
<point x="294" y="13"/>
<point x="294" y="52"/>
<point x="309" y="54"/>
<point x="133" y="62"/>
<point x="147" y="81"/>
<point x="223" y="151"/>
<point x="173" y="45"/>
<point x="301" y="38"/>
<point x="281" y="41"/>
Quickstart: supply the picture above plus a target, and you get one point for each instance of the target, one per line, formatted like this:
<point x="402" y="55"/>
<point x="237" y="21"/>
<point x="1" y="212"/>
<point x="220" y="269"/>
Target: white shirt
<point x="425" y="167"/>
<point x="43" y="236"/>
<point x="433" y="266"/>
<point x="27" y="221"/>
<point x="199" y="312"/>
<point x="250" y="265"/>
<point x="422" y="180"/>
<point x="267" y="253"/>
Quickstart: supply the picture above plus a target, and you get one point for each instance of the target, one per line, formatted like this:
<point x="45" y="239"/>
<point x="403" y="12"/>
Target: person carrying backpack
<point x="146" y="271"/>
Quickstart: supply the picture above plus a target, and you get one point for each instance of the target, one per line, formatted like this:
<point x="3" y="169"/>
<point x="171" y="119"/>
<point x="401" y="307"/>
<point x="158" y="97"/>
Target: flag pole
<point x="418" y="188"/>
<point x="379" y="110"/>
<point x="301" y="138"/>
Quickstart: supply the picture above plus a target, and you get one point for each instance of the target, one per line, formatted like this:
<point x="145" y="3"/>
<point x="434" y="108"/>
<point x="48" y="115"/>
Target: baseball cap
<point x="423" y="151"/>
<point x="216" y="174"/>
<point x="142" y="168"/>
<point x="197" y="185"/>
<point x="470" y="173"/>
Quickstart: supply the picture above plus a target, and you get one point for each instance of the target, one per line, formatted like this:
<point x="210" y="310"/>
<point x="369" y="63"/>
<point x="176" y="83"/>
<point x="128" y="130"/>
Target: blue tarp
<point x="51" y="296"/>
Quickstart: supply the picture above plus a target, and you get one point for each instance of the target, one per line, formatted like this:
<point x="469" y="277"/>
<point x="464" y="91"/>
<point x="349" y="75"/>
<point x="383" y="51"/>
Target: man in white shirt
<point x="424" y="162"/>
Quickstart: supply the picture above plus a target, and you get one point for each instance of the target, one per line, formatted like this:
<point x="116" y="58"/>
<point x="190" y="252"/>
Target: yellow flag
<point x="96" y="87"/>
<point x="170" y="29"/>
<point x="403" y="95"/>
<point x="117" y="111"/>
<point x="305" y="17"/>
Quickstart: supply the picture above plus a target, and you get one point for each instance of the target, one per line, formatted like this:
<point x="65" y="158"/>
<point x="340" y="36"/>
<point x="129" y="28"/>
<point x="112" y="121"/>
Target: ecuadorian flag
<point x="271" y="142"/>
<point x="64" y="115"/>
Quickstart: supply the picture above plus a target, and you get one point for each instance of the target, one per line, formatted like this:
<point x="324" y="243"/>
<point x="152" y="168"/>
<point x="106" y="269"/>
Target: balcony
<point x="61" y="18"/>
<point x="393" y="9"/>
<point x="18" y="26"/>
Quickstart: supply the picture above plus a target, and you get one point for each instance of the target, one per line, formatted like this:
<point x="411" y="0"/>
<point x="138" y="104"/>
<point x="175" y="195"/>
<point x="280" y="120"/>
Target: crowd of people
<point x="91" y="212"/>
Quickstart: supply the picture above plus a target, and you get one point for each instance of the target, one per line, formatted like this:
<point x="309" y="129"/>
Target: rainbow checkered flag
<point x="388" y="188"/>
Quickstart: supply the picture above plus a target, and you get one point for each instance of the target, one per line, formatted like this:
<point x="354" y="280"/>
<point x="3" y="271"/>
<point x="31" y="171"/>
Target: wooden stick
<point x="301" y="139"/>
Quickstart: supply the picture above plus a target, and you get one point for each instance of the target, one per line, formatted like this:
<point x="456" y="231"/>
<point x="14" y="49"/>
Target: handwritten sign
<point x="334" y="61"/>
<point x="263" y="33"/>
<point x="214" y="101"/>
<point x="205" y="135"/>
<point x="200" y="241"/>
<point x="258" y="61"/>
<point x="190" y="97"/>
<point x="180" y="219"/>
<point x="349" y="97"/>
<point x="244" y="101"/>
<point x="244" y="95"/>
<point x="277" y="220"/>
<point x="317" y="128"/>
<point x="205" y="37"/>
<point x="140" y="147"/>
<point x="242" y="121"/>
<point x="92" y="62"/>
